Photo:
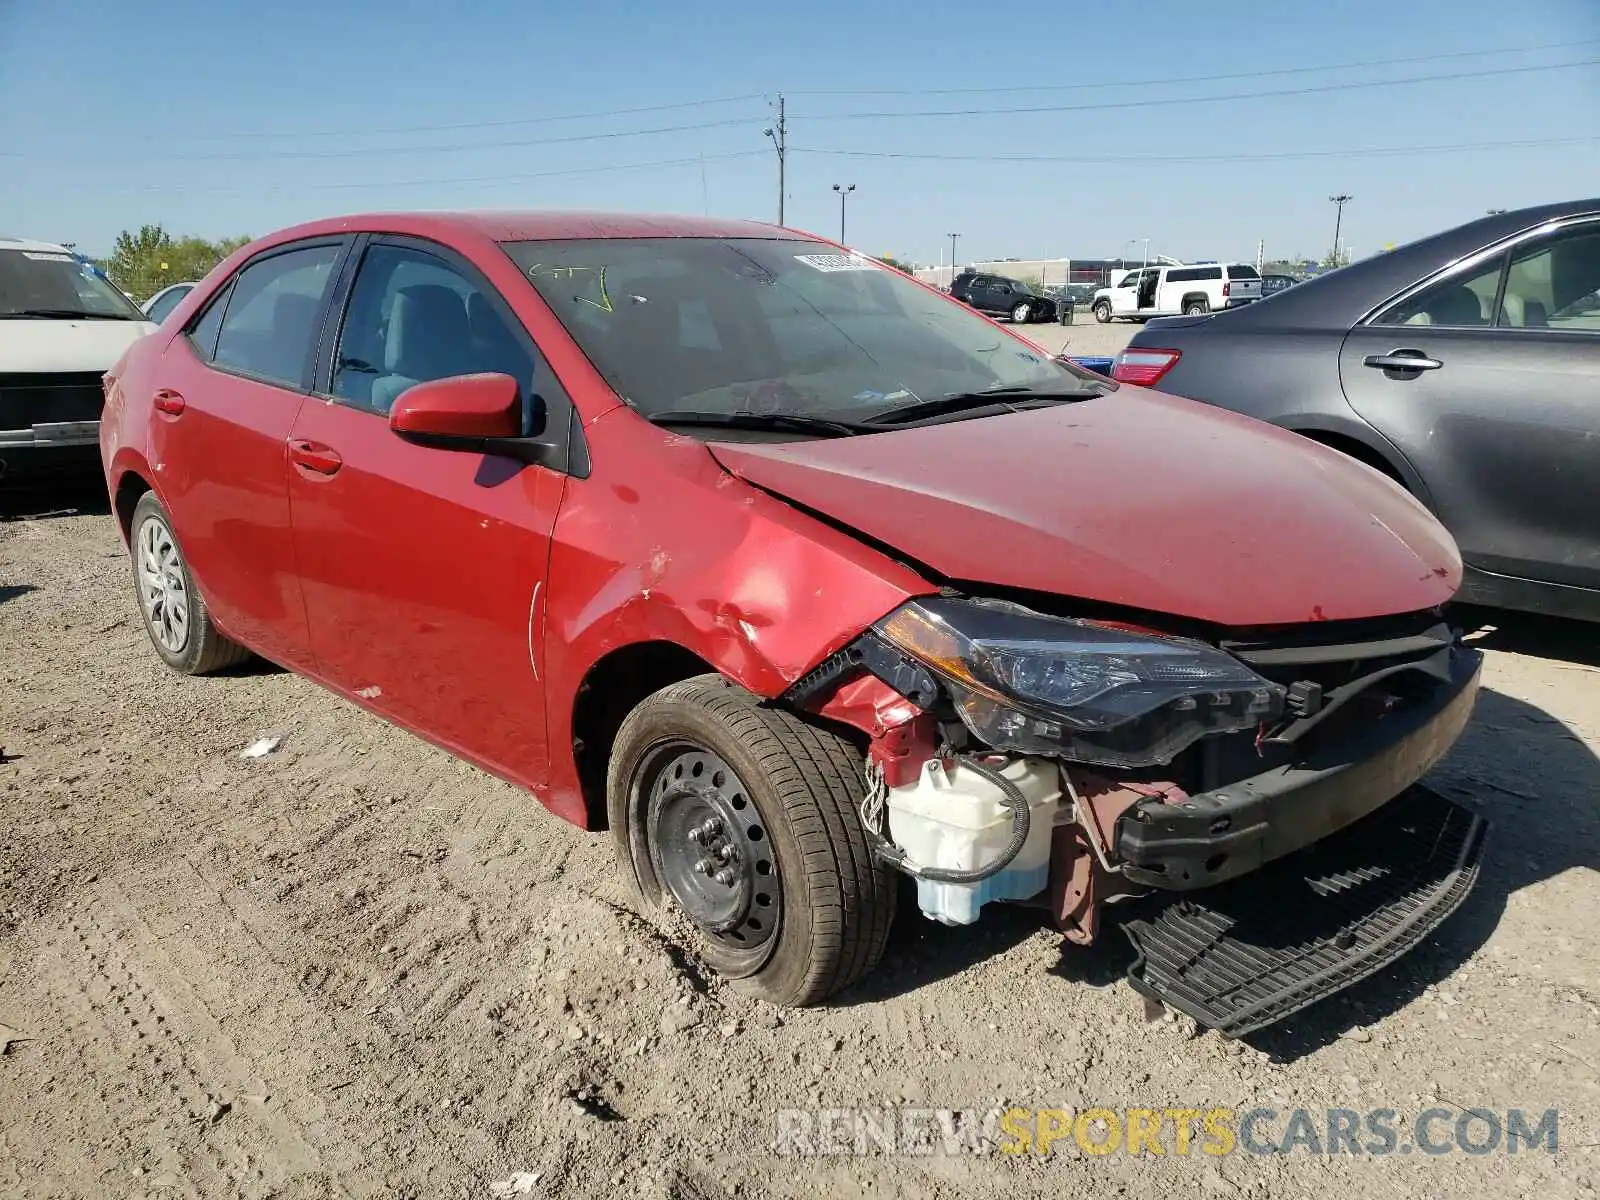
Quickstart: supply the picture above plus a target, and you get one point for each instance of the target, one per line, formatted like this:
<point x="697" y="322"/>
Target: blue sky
<point x="228" y="118"/>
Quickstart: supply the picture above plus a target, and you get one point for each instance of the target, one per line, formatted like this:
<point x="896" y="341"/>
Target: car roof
<point x="1344" y="296"/>
<point x="543" y="225"/>
<point x="13" y="243"/>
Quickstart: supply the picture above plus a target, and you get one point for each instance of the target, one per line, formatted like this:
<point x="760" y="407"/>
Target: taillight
<point x="1227" y="289"/>
<point x="1144" y="367"/>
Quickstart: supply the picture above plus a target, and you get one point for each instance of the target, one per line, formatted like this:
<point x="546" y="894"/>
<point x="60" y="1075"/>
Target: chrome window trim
<point x="1468" y="262"/>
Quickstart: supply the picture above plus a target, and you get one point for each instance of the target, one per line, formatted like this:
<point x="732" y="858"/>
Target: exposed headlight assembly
<point x="1033" y="684"/>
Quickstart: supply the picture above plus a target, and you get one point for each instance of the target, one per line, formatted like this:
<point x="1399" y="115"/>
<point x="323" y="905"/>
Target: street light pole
<point x="953" y="238"/>
<point x="1338" y="222"/>
<point x="1146" y="261"/>
<point x="843" y="191"/>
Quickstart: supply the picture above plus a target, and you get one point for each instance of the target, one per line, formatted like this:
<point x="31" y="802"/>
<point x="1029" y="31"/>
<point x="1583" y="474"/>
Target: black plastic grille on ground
<point x="1248" y="953"/>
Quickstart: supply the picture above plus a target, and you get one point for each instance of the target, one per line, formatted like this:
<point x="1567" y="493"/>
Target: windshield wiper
<point x="74" y="313"/>
<point x="796" y="422"/>
<point x="1002" y="399"/>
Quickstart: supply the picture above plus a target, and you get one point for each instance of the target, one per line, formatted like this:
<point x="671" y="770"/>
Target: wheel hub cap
<point x="710" y="849"/>
<point x="161" y="588"/>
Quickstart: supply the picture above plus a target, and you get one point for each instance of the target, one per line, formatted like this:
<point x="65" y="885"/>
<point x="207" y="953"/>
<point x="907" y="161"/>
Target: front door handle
<point x="1403" y="359"/>
<point x="314" y="456"/>
<point x="169" y="402"/>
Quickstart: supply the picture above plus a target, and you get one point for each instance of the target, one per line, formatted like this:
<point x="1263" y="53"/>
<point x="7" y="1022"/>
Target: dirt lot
<point x="357" y="967"/>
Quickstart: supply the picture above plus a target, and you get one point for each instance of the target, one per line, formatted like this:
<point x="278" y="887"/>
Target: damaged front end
<point x="1018" y="756"/>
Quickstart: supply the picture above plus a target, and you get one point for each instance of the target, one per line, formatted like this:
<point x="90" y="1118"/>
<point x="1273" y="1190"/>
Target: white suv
<point x="61" y="328"/>
<point x="1166" y="291"/>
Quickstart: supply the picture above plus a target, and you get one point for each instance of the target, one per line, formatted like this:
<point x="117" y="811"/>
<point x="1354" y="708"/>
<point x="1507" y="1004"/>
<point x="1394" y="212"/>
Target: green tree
<point x="897" y="264"/>
<point x="144" y="262"/>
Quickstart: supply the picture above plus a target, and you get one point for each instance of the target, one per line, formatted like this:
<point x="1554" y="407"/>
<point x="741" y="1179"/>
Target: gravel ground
<point x="357" y="967"/>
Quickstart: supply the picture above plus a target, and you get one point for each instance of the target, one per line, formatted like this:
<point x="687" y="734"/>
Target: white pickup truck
<point x="1168" y="290"/>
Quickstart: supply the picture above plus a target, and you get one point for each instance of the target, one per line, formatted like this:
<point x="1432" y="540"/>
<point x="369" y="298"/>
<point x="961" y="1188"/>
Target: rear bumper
<point x="1233" y="830"/>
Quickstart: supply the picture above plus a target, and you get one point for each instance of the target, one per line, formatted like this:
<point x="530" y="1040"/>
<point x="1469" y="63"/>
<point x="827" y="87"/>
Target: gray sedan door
<point x="1488" y="380"/>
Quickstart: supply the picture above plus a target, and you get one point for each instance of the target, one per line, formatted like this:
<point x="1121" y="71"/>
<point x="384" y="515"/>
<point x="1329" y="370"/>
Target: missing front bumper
<point x="1248" y="953"/>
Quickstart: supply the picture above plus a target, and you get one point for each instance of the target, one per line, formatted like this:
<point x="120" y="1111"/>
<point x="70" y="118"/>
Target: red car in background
<point x="797" y="574"/>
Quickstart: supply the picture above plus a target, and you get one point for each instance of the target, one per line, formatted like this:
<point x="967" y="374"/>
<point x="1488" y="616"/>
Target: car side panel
<point x="761" y="591"/>
<point x="1506" y="432"/>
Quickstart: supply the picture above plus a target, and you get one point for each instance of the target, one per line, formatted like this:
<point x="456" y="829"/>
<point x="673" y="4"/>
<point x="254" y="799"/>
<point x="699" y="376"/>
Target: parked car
<point x="1165" y="290"/>
<point x="1002" y="297"/>
<point x="1464" y="367"/>
<point x="61" y="325"/>
<point x="163" y="302"/>
<point x="1271" y="285"/>
<point x="779" y="565"/>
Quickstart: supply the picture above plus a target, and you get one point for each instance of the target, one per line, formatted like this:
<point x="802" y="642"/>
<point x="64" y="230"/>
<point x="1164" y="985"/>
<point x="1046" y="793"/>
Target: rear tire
<point x="1196" y="308"/>
<point x="175" y="613"/>
<point x="1102" y="311"/>
<point x="705" y="777"/>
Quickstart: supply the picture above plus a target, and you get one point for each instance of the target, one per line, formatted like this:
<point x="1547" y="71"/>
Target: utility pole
<point x="953" y="238"/>
<point x="779" y="133"/>
<point x="1338" y="221"/>
<point x="1146" y="261"/>
<point x="843" y="192"/>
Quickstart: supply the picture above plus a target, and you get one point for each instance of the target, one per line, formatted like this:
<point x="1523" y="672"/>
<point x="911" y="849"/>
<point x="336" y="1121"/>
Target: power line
<point x="1159" y="103"/>
<point x="445" y="180"/>
<point x="1133" y="159"/>
<point x="509" y="122"/>
<point x="451" y="148"/>
<point x="1124" y="83"/>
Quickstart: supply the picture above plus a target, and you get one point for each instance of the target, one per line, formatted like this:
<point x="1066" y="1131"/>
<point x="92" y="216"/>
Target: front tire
<point x="175" y="614"/>
<point x="1021" y="313"/>
<point x="1102" y="312"/>
<point x="746" y="818"/>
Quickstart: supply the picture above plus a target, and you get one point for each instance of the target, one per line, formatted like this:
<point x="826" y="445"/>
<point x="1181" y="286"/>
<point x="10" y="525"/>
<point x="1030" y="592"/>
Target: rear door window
<point x="274" y="314"/>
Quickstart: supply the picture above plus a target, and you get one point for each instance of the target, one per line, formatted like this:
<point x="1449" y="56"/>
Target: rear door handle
<point x="169" y="402"/>
<point x="1402" y="360"/>
<point x="314" y="457"/>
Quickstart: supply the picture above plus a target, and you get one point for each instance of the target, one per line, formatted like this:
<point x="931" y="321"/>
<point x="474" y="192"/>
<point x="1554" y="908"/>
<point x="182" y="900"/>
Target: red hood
<point x="1134" y="498"/>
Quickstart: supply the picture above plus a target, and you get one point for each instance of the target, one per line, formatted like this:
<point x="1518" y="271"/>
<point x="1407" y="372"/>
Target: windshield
<point x="50" y="282"/>
<point x="772" y="326"/>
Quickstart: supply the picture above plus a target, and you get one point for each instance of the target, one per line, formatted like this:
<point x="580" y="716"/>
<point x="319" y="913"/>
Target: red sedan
<point x="797" y="574"/>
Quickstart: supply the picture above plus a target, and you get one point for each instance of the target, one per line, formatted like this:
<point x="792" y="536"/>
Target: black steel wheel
<point x="746" y="819"/>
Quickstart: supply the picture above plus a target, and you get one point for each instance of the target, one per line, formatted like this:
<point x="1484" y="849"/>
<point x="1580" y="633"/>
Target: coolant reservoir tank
<point x="952" y="817"/>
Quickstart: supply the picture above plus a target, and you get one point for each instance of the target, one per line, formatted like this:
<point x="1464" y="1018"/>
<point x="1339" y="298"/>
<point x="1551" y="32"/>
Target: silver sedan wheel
<point x="161" y="586"/>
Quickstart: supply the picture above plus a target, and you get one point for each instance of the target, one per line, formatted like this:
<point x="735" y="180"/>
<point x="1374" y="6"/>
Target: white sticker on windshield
<point x="837" y="262"/>
<point x="47" y="256"/>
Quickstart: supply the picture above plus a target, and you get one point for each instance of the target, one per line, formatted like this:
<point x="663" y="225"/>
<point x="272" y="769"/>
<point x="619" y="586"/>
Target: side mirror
<point x="482" y="413"/>
<point x="467" y="407"/>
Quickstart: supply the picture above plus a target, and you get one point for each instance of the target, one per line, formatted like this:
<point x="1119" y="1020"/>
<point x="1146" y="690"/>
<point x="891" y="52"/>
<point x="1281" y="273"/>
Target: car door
<point x="1125" y="296"/>
<point x="230" y="387"/>
<point x="423" y="568"/>
<point x="1488" y="379"/>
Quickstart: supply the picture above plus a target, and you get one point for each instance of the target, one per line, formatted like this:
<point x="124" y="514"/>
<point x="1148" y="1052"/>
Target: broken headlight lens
<point x="1034" y="684"/>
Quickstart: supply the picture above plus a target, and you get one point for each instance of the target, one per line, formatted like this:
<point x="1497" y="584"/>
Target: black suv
<point x="1002" y="297"/>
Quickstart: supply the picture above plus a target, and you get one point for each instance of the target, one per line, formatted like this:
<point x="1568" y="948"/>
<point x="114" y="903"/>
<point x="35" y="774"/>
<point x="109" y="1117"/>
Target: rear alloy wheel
<point x="175" y="614"/>
<point x="745" y="818"/>
<point x="1102" y="311"/>
<point x="1021" y="313"/>
<point x="1196" y="308"/>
